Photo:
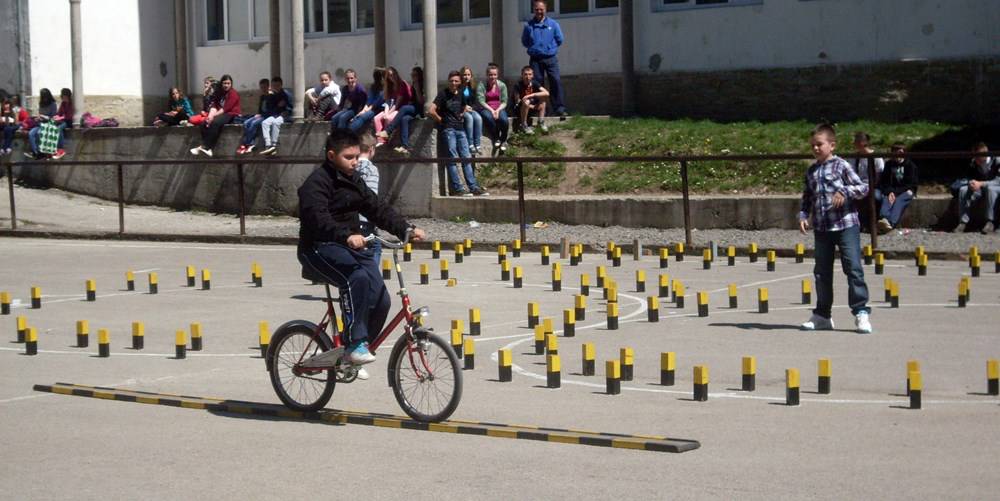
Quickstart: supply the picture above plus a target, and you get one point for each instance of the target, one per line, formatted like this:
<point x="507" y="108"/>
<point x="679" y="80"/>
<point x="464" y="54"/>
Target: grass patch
<point x="649" y="136"/>
<point x="536" y="176"/>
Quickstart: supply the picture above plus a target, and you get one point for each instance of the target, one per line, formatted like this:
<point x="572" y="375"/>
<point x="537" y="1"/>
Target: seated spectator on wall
<point x="9" y="122"/>
<point x="353" y="98"/>
<point x="323" y="98"/>
<point x="447" y="110"/>
<point x="897" y="187"/>
<point x="409" y="112"/>
<point x="376" y="98"/>
<point x="492" y="96"/>
<point x="209" y="90"/>
<point x="982" y="178"/>
<point x="862" y="146"/>
<point x="226" y="107"/>
<point x="46" y="110"/>
<point x="179" y="107"/>
<point x="473" y="120"/>
<point x="529" y="97"/>
<point x="398" y="94"/>
<point x="64" y="120"/>
<point x="251" y="124"/>
<point x="279" y="111"/>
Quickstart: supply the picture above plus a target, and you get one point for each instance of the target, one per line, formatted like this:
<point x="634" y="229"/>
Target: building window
<point x="662" y="5"/>
<point x="557" y="8"/>
<point x="236" y="20"/>
<point x="338" y="16"/>
<point x="448" y="11"/>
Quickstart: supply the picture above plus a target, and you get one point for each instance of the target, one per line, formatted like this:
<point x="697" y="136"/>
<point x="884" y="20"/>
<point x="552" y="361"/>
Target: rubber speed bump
<point x="664" y="257"/>
<point x="734" y="301"/>
<point x="702" y="304"/>
<point x="532" y="314"/>
<point x="189" y="272"/>
<point x="762" y="300"/>
<point x="653" y="308"/>
<point x="569" y="322"/>
<point x="588" y="354"/>
<point x="36" y="298"/>
<point x="791" y="387"/>
<point x="993" y="377"/>
<point x="668" y="365"/>
<point x="4" y="303"/>
<point x="138" y="335"/>
<point x="82" y="334"/>
<point x="196" y="338"/>
<point x="613" y="377"/>
<point x="436" y="249"/>
<point x="31" y="342"/>
<point x="700" y="383"/>
<point x="263" y="337"/>
<point x="91" y="287"/>
<point x="806" y="291"/>
<point x="752" y="252"/>
<point x="339" y="417"/>
<point x="749" y="366"/>
<point x="154" y="283"/>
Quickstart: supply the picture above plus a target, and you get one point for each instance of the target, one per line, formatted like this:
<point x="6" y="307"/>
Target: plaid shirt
<point x="822" y="181"/>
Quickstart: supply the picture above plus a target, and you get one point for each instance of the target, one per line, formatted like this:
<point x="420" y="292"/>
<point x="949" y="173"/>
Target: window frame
<point x="202" y="13"/>
<point x="592" y="10"/>
<point x="355" y="30"/>
<point x="659" y="6"/>
<point x="407" y="24"/>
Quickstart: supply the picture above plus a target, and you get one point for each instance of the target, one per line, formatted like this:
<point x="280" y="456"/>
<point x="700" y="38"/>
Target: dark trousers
<point x="498" y="128"/>
<point x="849" y="243"/>
<point x="547" y="69"/>
<point x="8" y="135"/>
<point x="211" y="132"/>
<point x="363" y="298"/>
<point x="174" y="119"/>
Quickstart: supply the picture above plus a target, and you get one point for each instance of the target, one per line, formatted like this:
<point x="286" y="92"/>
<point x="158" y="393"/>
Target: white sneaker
<point x="862" y="323"/>
<point x="196" y="150"/>
<point x="363" y="374"/>
<point x="205" y="151"/>
<point x="359" y="354"/>
<point x="817" y="323"/>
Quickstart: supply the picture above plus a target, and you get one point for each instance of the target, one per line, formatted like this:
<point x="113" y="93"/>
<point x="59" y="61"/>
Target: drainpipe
<point x="628" y="56"/>
<point x="430" y="53"/>
<point x="76" y="49"/>
<point x="298" y="59"/>
<point x="274" y="15"/>
<point x="181" y="46"/>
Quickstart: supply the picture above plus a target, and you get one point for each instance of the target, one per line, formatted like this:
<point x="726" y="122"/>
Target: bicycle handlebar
<point x="392" y="245"/>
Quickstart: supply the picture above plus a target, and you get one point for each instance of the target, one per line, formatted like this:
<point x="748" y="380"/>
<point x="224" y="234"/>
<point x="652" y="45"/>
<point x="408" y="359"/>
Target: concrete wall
<point x="270" y="189"/>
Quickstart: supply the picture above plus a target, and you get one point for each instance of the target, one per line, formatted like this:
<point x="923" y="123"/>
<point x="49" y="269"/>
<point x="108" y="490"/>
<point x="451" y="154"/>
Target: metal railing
<point x="684" y="162"/>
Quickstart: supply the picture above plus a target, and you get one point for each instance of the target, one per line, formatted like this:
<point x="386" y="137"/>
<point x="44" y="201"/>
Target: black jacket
<point x="989" y="171"/>
<point x="329" y="204"/>
<point x="888" y="182"/>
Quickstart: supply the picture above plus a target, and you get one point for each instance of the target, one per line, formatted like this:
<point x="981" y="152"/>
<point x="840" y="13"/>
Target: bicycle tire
<point x="442" y="361"/>
<point x="322" y="383"/>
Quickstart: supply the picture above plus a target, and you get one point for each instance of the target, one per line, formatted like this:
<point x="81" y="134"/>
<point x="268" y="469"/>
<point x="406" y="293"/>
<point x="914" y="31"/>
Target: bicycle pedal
<point x="325" y="359"/>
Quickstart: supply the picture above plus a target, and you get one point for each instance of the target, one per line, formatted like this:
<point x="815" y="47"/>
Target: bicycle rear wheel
<point x="427" y="379"/>
<point x="300" y="389"/>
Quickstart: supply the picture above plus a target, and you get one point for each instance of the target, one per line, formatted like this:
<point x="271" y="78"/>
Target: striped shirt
<point x="822" y="181"/>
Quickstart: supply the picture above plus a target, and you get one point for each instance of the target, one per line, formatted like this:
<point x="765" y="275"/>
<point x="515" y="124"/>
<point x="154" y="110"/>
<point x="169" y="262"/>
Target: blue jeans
<point x="458" y="147"/>
<point x="33" y="139"/>
<point x="403" y="120"/>
<point x="547" y="68"/>
<point x="499" y="128"/>
<point x="363" y="298"/>
<point x="360" y="121"/>
<point x="342" y="119"/>
<point x="894" y="212"/>
<point x="967" y="197"/>
<point x="473" y="128"/>
<point x="62" y="134"/>
<point x="8" y="136"/>
<point x="251" y="127"/>
<point x="849" y="242"/>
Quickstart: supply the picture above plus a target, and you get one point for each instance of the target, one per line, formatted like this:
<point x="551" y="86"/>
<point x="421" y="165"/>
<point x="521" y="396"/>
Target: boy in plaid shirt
<point x="831" y="187"/>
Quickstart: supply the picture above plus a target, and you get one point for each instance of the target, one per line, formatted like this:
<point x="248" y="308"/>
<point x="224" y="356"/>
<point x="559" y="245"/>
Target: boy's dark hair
<point x="527" y="67"/>
<point x="980" y="146"/>
<point x="827" y="130"/>
<point x="342" y="138"/>
<point x="898" y="145"/>
<point x="277" y="79"/>
<point x="862" y="137"/>
<point x="263" y="81"/>
<point x="327" y="73"/>
<point x="454" y="73"/>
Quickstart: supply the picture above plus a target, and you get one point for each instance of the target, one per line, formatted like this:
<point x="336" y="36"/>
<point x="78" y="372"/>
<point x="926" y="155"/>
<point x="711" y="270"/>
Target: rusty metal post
<point x="10" y="188"/>
<point x="687" y="203"/>
<point x="520" y="200"/>
<point x="242" y="197"/>
<point x="872" y="209"/>
<point x="121" y="200"/>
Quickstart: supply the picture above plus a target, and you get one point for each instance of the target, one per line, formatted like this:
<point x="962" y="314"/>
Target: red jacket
<point x="231" y="103"/>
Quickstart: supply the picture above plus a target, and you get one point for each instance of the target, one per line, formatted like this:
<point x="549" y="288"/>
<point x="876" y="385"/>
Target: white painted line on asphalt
<point x="127" y="382"/>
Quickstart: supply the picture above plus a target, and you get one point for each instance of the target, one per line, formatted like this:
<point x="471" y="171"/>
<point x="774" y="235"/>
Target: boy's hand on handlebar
<point x="418" y="235"/>
<point x="356" y="241"/>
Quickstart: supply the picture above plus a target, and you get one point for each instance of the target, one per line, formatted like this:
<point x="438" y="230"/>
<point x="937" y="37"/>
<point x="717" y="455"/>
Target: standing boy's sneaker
<point x="479" y="192"/>
<point x="528" y="130"/>
<point x="988" y="228"/>
<point x="818" y="323"/>
<point x="269" y="150"/>
<point x="884" y="226"/>
<point x="358" y="354"/>
<point x="862" y="323"/>
<point x="30" y="155"/>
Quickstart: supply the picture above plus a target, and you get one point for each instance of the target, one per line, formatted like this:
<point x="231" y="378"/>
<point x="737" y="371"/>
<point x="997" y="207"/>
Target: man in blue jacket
<point x="542" y="37"/>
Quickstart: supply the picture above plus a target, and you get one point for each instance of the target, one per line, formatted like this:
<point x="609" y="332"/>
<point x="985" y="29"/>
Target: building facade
<point x="716" y="59"/>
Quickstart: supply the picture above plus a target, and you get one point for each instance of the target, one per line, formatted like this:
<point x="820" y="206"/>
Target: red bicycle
<point x="306" y="361"/>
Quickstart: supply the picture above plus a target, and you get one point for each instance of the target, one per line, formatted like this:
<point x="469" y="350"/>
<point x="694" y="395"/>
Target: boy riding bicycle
<point x="331" y="243"/>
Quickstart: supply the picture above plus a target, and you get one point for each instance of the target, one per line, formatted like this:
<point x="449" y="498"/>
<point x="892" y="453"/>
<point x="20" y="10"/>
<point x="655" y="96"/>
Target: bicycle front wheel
<point x="427" y="379"/>
<point x="301" y="389"/>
